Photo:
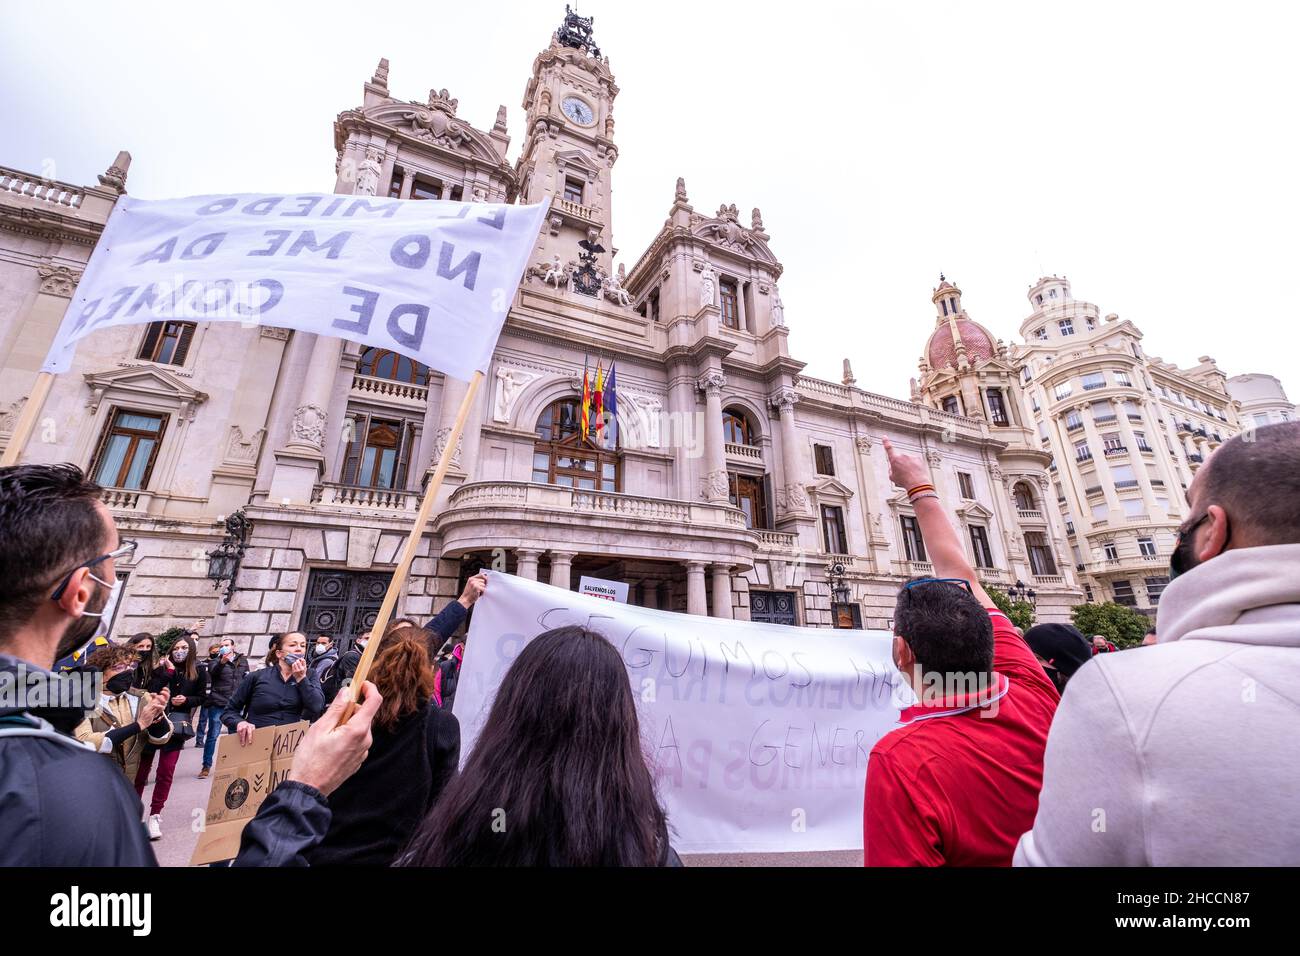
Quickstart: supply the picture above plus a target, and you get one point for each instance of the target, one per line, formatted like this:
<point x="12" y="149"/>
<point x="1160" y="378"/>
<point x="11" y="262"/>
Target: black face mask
<point x="143" y="655"/>
<point x="1183" y="558"/>
<point x="118" y="684"/>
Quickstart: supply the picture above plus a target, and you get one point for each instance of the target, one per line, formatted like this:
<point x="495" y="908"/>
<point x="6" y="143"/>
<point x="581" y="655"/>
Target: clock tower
<point x="569" y="150"/>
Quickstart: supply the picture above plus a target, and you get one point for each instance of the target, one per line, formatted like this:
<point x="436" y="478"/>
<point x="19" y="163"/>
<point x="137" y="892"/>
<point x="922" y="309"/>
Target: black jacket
<point x="375" y="811"/>
<point x="226" y="676"/>
<point x="194" y="691"/>
<point x="266" y="699"/>
<point x="444" y="625"/>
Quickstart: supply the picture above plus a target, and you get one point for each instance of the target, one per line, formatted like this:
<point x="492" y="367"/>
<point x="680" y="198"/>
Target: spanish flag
<point x="586" y="402"/>
<point x="598" y="400"/>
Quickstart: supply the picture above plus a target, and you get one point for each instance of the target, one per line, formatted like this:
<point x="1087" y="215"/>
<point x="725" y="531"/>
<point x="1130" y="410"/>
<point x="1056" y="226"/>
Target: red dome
<point x="941" y="350"/>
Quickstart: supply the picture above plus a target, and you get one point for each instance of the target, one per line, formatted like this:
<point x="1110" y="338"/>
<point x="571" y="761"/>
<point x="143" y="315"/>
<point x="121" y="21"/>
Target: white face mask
<point x="180" y="653"/>
<point x="114" y="592"/>
<point x="322" y="648"/>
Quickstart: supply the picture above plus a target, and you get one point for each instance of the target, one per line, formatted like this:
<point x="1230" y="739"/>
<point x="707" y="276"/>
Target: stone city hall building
<point x="732" y="485"/>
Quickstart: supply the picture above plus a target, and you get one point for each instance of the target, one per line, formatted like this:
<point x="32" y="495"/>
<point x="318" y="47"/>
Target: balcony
<point x="1029" y="515"/>
<point x="1127" y="483"/>
<point x="388" y="392"/>
<point x="333" y="494"/>
<point x="1102" y="419"/>
<point x="126" y="499"/>
<point x="19" y="183"/>
<point x="1184" y="429"/>
<point x="1073" y="427"/>
<point x="1049" y="579"/>
<point x="483" y="515"/>
<point x="776" y="540"/>
<point x="1116" y="450"/>
<point x="744" y="453"/>
<point x="1092" y="490"/>
<point x="574" y="211"/>
<point x="1195" y="458"/>
<point x="1083" y="456"/>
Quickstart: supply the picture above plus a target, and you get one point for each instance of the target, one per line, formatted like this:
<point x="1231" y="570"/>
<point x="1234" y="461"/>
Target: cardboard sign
<point x="606" y="590"/>
<point x="242" y="778"/>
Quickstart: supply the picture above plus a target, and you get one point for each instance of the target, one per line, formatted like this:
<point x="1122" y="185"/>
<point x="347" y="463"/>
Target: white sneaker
<point x="155" y="827"/>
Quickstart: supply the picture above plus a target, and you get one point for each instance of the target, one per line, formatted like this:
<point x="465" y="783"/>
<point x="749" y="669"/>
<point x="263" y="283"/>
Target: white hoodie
<point x="1186" y="753"/>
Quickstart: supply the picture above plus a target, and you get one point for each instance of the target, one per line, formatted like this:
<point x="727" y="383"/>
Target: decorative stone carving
<point x="510" y="383"/>
<point x="848" y="378"/>
<point x="436" y="123"/>
<point x="756" y="220"/>
<point x="367" y="183"/>
<point x="649" y="410"/>
<point x="778" y="308"/>
<point x="726" y="230"/>
<point x="58" y="280"/>
<point x="478" y="194"/>
<point x="996" y="474"/>
<point x="785" y="400"/>
<point x="708" y="285"/>
<point x="440" y="445"/>
<point x="864" y="444"/>
<point x="309" y="425"/>
<point x="274" y="332"/>
<point x="714" y="486"/>
<point x="614" y="290"/>
<point x="552" y="273"/>
<point x="712" y="381"/>
<point x="241" y="450"/>
<point x="934" y="458"/>
<point x="680" y="195"/>
<point x="791" y="498"/>
<point x="9" y="417"/>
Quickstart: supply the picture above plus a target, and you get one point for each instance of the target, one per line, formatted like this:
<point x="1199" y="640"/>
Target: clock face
<point x="578" y="111"/>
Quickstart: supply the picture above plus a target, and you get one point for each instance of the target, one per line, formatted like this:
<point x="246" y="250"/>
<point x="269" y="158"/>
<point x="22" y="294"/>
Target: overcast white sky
<point x="1145" y="150"/>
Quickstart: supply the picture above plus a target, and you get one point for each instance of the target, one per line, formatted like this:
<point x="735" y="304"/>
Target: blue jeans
<point x="209" y="730"/>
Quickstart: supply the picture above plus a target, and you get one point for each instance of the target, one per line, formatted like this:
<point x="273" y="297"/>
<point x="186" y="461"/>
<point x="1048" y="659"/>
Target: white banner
<point x="757" y="734"/>
<point x="431" y="280"/>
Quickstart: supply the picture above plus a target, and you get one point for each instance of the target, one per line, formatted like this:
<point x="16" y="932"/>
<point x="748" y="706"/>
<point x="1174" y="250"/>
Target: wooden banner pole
<point x="26" y="423"/>
<point x="398" y="583"/>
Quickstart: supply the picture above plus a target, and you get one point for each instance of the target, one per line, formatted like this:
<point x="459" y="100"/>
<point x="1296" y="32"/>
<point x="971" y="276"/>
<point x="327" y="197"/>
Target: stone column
<point x="1135" y="458"/>
<point x="650" y="594"/>
<point x="300" y="463"/>
<point x="791" y="498"/>
<point x="561" y="569"/>
<point x="697" y="599"/>
<point x="721" y="590"/>
<point x="715" y="488"/>
<point x="526" y="563"/>
<point x="1097" y="447"/>
<point x="408" y="181"/>
<point x="453" y="393"/>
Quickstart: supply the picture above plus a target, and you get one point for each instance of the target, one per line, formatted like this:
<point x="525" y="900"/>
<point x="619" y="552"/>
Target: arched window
<point x="736" y="428"/>
<point x="562" y="457"/>
<point x="1024" y="497"/>
<point x="381" y="363"/>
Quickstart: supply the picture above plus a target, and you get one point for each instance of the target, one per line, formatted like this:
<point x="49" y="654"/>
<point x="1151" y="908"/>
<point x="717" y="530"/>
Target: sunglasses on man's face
<point x="961" y="582"/>
<point x="125" y="549"/>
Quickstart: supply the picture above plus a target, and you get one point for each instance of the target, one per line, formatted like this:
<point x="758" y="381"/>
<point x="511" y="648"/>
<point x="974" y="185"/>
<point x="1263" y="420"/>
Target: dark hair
<point x="1255" y="477"/>
<point x="111" y="656"/>
<point x="560" y="755"/>
<point x="191" y="667"/>
<point x="49" y="524"/>
<point x="945" y="627"/>
<point x="274" y="646"/>
<point x="403" y="675"/>
<point x="145" y="667"/>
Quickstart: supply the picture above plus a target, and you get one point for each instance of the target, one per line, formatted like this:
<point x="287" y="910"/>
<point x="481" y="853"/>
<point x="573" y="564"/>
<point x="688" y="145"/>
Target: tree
<point x="1122" y="626"/>
<point x="1021" y="613"/>
<point x="167" y="638"/>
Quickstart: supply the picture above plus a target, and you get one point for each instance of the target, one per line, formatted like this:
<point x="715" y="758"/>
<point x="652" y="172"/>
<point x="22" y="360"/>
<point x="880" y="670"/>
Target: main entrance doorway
<point x="342" y="604"/>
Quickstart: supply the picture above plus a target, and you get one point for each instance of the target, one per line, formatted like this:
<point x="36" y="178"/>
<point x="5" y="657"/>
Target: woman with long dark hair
<point x="560" y="756"/>
<point x="146" y="660"/>
<point x="187" y="683"/>
<point x="414" y="752"/>
<point x="282" y="692"/>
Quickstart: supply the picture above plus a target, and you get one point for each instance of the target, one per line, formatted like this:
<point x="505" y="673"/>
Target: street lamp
<point x="840" y="593"/>
<point x="224" y="560"/>
<point x="1018" y="592"/>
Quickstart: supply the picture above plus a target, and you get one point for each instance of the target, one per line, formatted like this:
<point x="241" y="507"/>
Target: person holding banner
<point x="557" y="776"/>
<point x="285" y="691"/>
<point x="958" y="782"/>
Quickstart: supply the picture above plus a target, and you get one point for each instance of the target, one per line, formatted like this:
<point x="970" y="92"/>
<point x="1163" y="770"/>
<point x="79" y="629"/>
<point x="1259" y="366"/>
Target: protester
<point x="1180" y="755"/>
<point x="324" y="659"/>
<point x="128" y="719"/>
<point x="957" y="783"/>
<point x="1149" y="638"/>
<point x="187" y="686"/>
<point x="1102" y="646"/>
<point x="415" y="752"/>
<point x="209" y="717"/>
<point x="446" y="674"/>
<point x="146" y="660"/>
<point x="227" y="674"/>
<point x="282" y="692"/>
<point x="65" y="805"/>
<point x="557" y="776"/>
<point x="1061" y="649"/>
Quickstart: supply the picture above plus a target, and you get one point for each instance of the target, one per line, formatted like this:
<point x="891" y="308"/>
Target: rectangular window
<point x="966" y="484"/>
<point x="729" y="301"/>
<point x="1081" y="451"/>
<point x="1134" y="507"/>
<point x="950" y="405"/>
<point x="654" y="306"/>
<point x="1094" y="380"/>
<point x="1040" y="333"/>
<point x="913" y="544"/>
<point x="1141" y="439"/>
<point x="128" y="449"/>
<point x="1087" y="592"/>
<point x="167" y="342"/>
<point x="1066" y="326"/>
<point x="395" y="185"/>
<point x="1100" y="511"/>
<point x="1073" y="420"/>
<point x="749" y="494"/>
<point x="1155" y="588"/>
<point x="379" y="454"/>
<point x="1124" y="593"/>
<point x="1111" y="442"/>
<point x="833" y="530"/>
<point x="997" y="408"/>
<point x="425" y="190"/>
<point x="1063" y="390"/>
<point x="1121" y="378"/>
<point x="1033" y="400"/>
<point x="1110" y="551"/>
<point x="825" y="459"/>
<point x="1103" y="412"/>
<point x="1041" y="560"/>
<point x="979" y="543"/>
<point x="1147" y="547"/>
<point x="573" y="190"/>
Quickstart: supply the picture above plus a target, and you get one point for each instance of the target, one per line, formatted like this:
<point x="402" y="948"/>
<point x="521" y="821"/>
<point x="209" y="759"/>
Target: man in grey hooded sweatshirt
<point x="1184" y="753"/>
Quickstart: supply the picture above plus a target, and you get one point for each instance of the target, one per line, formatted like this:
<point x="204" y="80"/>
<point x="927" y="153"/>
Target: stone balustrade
<point x="746" y="452"/>
<point x="367" y="387"/>
<point x="16" y="183"/>
<point x="335" y="494"/>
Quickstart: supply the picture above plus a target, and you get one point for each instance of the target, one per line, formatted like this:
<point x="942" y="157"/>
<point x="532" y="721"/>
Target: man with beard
<point x="1177" y="756"/>
<point x="58" y="553"/>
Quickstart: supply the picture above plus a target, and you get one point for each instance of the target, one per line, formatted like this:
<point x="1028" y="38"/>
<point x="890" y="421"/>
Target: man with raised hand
<point x="957" y="782"/>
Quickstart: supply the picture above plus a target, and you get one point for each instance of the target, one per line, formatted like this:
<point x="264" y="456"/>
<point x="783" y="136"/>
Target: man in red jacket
<point x="957" y="783"/>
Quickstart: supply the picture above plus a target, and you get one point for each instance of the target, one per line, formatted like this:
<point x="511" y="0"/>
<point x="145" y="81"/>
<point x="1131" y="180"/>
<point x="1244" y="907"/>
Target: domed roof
<point x="941" y="350"/>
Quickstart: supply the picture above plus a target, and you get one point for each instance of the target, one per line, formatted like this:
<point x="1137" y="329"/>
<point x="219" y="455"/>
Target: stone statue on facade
<point x="510" y="382"/>
<point x="778" y="309"/>
<point x="367" y="183"/>
<point x="308" y="425"/>
<point x="555" y="273"/>
<point x="708" y="285"/>
<point x="715" y="486"/>
<point x="614" y="290"/>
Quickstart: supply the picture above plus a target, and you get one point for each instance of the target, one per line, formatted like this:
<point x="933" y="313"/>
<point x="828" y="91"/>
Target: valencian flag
<point x="585" y="415"/>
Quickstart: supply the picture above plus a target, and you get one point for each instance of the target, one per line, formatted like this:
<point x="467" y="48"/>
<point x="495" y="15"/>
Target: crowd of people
<point x="1052" y="749"/>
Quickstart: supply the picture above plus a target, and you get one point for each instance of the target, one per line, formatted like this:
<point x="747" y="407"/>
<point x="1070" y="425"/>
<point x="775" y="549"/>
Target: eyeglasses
<point x="126" y="549"/>
<point x="961" y="582"/>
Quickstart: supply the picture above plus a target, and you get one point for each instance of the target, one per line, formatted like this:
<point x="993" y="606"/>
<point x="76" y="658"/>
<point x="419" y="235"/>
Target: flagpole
<point x="26" y="423"/>
<point x="398" y="583"/>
